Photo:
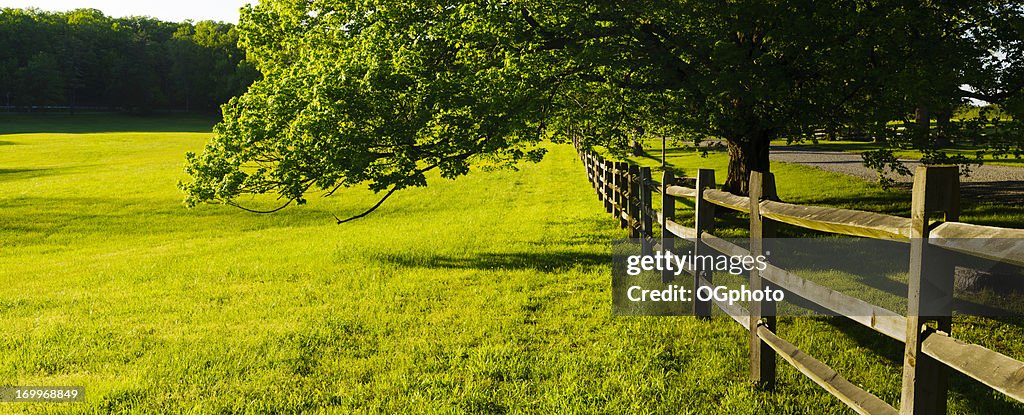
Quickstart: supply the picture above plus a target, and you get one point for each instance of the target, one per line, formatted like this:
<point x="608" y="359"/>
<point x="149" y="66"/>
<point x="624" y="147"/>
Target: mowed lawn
<point x="489" y="294"/>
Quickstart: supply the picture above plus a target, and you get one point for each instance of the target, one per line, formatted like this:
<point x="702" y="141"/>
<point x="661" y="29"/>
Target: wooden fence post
<point x="668" y="212"/>
<point x="589" y="162"/>
<point x="704" y="221"/>
<point x="762" y="357"/>
<point x="590" y="172"/>
<point x="930" y="290"/>
<point x="633" y="201"/>
<point x="646" y="209"/>
<point x="606" y="185"/>
<point x="615" y="190"/>
<point x="621" y="193"/>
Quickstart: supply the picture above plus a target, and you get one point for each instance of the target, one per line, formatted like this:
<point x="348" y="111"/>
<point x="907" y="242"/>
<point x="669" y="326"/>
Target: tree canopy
<point x="381" y="92"/>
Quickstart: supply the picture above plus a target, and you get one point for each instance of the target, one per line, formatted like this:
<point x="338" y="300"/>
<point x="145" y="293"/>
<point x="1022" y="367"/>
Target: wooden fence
<point x="628" y="190"/>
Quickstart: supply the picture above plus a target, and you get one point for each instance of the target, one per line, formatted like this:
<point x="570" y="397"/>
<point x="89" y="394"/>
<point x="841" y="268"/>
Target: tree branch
<point x="262" y="212"/>
<point x="654" y="35"/>
<point x="370" y="210"/>
<point x="991" y="98"/>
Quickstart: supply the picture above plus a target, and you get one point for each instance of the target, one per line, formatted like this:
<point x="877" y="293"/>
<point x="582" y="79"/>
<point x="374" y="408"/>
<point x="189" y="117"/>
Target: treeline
<point x="84" y="59"/>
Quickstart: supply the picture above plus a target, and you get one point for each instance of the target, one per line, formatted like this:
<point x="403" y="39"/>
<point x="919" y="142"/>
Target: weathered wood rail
<point x="627" y="192"/>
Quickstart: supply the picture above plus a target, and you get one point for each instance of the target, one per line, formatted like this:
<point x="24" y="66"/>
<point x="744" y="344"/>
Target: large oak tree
<point x="380" y="92"/>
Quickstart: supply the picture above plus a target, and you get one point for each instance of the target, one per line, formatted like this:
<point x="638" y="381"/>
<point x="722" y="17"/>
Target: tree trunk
<point x="922" y="125"/>
<point x="636" y="148"/>
<point x="744" y="157"/>
<point x="942" y="124"/>
<point x="879" y="133"/>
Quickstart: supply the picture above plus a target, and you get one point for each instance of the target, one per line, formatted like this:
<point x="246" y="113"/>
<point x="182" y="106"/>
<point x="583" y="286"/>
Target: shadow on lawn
<point x="994" y="192"/>
<point x="545" y="262"/>
<point x="980" y="397"/>
<point x="103" y="123"/>
<point x="975" y="193"/>
<point x="22" y="174"/>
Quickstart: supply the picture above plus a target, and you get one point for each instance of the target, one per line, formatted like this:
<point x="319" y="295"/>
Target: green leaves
<point x="374" y="93"/>
<point x="377" y="93"/>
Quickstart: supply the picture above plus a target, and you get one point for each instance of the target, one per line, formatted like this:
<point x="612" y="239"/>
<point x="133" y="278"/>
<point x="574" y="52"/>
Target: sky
<point x="168" y="10"/>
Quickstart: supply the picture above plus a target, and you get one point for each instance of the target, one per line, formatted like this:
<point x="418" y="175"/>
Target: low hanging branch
<point x="264" y="212"/>
<point x="394" y="189"/>
<point x="370" y="210"/>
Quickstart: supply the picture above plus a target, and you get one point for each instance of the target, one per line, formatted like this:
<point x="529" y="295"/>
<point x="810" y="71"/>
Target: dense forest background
<point x="82" y="59"/>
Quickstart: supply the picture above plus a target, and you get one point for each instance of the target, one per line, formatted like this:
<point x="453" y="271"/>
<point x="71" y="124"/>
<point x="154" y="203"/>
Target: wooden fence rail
<point x="627" y="192"/>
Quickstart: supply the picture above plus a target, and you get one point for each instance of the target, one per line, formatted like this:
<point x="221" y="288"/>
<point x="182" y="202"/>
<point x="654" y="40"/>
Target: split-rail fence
<point x="930" y="352"/>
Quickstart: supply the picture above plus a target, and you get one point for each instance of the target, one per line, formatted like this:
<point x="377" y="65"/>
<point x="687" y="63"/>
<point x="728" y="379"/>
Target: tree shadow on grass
<point x="7" y="175"/>
<point x="1008" y="192"/>
<point x="104" y="123"/>
<point x="978" y="396"/>
<point x="544" y="262"/>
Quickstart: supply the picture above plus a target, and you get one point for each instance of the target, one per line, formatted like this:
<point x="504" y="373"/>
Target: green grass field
<point x="489" y="294"/>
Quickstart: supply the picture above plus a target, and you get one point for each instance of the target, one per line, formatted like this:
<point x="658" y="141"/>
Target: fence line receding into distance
<point x="628" y="191"/>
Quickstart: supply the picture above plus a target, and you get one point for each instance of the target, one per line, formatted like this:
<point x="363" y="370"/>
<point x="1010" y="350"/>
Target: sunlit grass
<point x="489" y="294"/>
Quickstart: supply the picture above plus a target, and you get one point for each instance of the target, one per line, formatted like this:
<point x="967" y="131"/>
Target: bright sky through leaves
<point x="174" y="10"/>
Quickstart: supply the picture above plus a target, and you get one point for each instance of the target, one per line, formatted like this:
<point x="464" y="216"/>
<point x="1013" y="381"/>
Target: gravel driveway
<point x="1002" y="183"/>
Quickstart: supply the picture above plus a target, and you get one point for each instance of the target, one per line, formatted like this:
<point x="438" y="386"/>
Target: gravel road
<point x="1002" y="183"/>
